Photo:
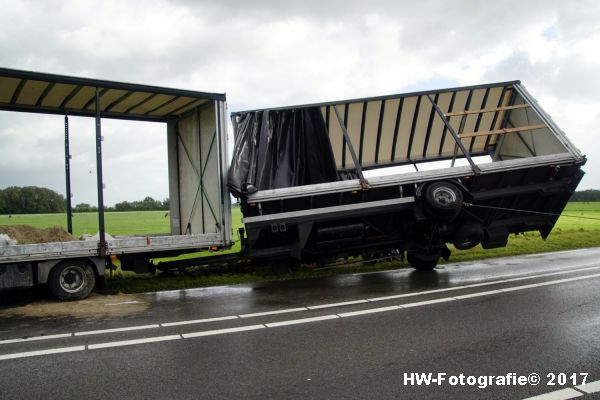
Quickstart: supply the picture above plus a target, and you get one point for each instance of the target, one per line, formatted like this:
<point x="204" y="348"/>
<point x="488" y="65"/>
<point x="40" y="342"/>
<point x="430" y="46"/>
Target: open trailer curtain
<point x="280" y="148"/>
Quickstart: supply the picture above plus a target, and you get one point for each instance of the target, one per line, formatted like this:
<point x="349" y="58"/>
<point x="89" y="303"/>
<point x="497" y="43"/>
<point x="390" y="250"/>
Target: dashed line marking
<point x="368" y="311"/>
<point x="260" y="314"/>
<point x="127" y="328"/>
<point x="344" y="303"/>
<point x="132" y="342"/>
<point x="33" y="338"/>
<point x="562" y="394"/>
<point x="223" y="331"/>
<point x="198" y="321"/>
<point x="590" y="387"/>
<point x="427" y="302"/>
<point x="522" y="287"/>
<point x="471" y="295"/>
<point x="41" y="352"/>
<point x="400" y="296"/>
<point x="301" y="321"/>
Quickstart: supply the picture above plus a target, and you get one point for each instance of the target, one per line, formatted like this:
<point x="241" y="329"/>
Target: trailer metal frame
<point x="33" y="92"/>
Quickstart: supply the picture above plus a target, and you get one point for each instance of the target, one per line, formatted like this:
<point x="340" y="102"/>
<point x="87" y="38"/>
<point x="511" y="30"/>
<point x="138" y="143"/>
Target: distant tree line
<point x="148" y="204"/>
<point x="586" y="195"/>
<point x="31" y="200"/>
<point x="39" y="200"/>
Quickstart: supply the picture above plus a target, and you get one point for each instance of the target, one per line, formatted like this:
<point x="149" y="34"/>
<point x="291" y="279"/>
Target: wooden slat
<point x="486" y="110"/>
<point x="506" y="130"/>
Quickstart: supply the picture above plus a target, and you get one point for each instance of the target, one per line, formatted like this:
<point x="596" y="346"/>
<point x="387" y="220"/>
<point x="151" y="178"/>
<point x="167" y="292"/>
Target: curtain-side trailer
<point x="401" y="174"/>
<point x="200" y="214"/>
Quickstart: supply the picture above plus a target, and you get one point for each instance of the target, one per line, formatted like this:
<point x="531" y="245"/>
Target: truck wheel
<point x="443" y="201"/>
<point x="72" y="280"/>
<point x="423" y="261"/>
<point x="468" y="236"/>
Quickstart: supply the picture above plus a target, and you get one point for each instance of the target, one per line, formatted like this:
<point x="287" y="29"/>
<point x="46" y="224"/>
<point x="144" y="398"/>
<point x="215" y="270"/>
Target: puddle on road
<point x="95" y="306"/>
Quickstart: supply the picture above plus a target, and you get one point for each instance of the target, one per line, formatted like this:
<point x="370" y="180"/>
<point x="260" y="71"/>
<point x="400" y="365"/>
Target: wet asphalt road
<point x="293" y="340"/>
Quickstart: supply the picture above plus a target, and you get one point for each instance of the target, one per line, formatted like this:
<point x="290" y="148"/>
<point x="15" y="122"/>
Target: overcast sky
<point x="274" y="53"/>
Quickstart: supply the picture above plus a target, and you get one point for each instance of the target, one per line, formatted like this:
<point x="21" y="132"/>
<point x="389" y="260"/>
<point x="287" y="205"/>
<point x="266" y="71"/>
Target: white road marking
<point x="223" y="331"/>
<point x="427" y="302"/>
<point x="562" y="394"/>
<point x="584" y="267"/>
<point x="470" y="295"/>
<point x="279" y="323"/>
<point x="522" y="287"/>
<point x="400" y="296"/>
<point x="198" y="321"/>
<point x="368" y="311"/>
<point x="590" y="387"/>
<point x="300" y="321"/>
<point x="497" y="282"/>
<point x="132" y="342"/>
<point x="127" y="328"/>
<point x="30" y="339"/>
<point x="345" y="303"/>
<point x="548" y="283"/>
<point x="260" y="314"/>
<point x="41" y="352"/>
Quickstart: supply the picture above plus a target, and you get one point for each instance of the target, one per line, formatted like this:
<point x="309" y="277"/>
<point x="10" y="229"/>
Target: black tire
<point x="442" y="201"/>
<point x="72" y="280"/>
<point x="423" y="261"/>
<point x="468" y="236"/>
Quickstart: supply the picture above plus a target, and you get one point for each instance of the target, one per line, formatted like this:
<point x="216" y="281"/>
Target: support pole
<point x="363" y="182"/>
<point x="475" y="168"/>
<point x="68" y="177"/>
<point x="99" y="180"/>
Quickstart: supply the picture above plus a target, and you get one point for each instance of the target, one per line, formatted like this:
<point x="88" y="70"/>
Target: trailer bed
<point x="119" y="245"/>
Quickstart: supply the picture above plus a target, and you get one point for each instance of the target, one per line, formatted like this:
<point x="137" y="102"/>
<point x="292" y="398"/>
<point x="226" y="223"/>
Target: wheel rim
<point x="72" y="279"/>
<point x="444" y="196"/>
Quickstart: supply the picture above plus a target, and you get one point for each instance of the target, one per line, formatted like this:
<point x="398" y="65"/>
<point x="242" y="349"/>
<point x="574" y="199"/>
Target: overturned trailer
<point x="200" y="214"/>
<point x="327" y="180"/>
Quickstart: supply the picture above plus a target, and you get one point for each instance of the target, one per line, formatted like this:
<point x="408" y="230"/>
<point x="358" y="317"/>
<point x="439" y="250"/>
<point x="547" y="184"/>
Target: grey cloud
<point x="267" y="52"/>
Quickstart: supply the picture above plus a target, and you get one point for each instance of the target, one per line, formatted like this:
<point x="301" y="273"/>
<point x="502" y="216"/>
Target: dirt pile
<point x="93" y="308"/>
<point x="25" y="234"/>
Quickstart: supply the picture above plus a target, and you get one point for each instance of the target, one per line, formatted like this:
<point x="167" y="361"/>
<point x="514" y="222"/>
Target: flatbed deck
<point x="115" y="246"/>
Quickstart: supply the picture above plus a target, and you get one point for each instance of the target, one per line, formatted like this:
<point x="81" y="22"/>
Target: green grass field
<point x="578" y="227"/>
<point x="117" y="223"/>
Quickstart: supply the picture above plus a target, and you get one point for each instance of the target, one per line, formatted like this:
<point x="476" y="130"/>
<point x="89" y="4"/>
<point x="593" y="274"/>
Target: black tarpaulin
<point x="280" y="148"/>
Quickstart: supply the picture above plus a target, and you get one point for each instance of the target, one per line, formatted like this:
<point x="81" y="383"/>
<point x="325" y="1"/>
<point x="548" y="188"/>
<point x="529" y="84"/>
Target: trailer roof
<point x="385" y="97"/>
<point x="28" y="91"/>
<point x="413" y="127"/>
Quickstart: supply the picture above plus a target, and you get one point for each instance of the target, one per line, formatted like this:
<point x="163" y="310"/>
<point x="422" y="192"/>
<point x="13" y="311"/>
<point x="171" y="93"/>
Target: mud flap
<point x="446" y="253"/>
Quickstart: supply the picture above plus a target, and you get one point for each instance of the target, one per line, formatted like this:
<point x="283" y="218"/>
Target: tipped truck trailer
<point x="200" y="214"/>
<point x="401" y="174"/>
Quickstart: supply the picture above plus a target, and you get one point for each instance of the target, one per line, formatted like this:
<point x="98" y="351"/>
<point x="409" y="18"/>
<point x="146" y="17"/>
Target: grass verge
<point x="528" y="243"/>
<point x="569" y="233"/>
